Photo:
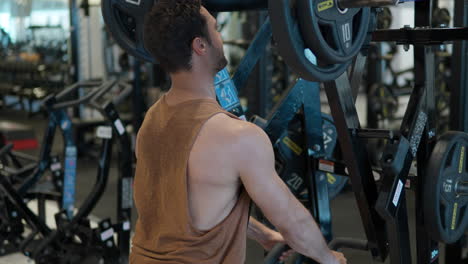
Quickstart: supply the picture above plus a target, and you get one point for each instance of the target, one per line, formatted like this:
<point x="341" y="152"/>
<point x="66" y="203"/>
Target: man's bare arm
<point x="258" y="231"/>
<point x="272" y="196"/>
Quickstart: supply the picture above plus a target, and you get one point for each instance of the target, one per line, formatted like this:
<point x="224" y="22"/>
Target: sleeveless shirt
<point x="164" y="232"/>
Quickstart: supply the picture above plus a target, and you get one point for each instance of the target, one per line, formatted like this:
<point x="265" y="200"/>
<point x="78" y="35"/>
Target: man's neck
<point x="191" y="85"/>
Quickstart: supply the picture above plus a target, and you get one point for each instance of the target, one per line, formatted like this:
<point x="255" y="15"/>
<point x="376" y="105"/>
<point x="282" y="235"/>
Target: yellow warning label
<point x="324" y="5"/>
<point x="331" y="179"/>
<point x="462" y="160"/>
<point x="293" y="146"/>
<point x="454" y="215"/>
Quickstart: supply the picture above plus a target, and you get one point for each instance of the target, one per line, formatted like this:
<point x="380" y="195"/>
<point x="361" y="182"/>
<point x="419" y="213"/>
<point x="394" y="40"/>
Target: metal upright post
<point x="375" y="67"/>
<point x="427" y="249"/>
<point x="355" y="155"/>
<point x="73" y="48"/>
<point x="74" y="40"/>
<point x="264" y="75"/>
<point x="137" y="97"/>
<point x="459" y="93"/>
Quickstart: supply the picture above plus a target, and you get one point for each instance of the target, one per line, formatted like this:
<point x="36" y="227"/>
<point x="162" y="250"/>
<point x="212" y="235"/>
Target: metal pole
<point x="458" y="93"/>
<point x="427" y="249"/>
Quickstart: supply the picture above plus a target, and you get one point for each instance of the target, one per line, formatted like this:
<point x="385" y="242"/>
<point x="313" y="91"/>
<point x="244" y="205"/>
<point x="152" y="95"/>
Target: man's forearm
<point x="257" y="231"/>
<point x="304" y="236"/>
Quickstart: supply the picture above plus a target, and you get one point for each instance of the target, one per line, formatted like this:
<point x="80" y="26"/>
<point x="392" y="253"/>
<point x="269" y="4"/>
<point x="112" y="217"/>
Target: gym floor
<point x="345" y="214"/>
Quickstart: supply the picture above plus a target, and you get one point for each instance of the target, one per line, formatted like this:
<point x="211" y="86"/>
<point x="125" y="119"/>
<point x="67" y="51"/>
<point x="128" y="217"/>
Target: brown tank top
<point x="164" y="232"/>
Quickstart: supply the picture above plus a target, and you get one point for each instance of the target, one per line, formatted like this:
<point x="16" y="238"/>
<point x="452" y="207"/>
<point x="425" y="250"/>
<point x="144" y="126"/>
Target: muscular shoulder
<point x="236" y="134"/>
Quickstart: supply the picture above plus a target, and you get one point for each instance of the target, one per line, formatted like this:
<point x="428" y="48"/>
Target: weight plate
<point x="333" y="34"/>
<point x="330" y="135"/>
<point x="289" y="157"/>
<point x="292" y="48"/>
<point x="441" y="17"/>
<point x="336" y="183"/>
<point x="446" y="188"/>
<point x="125" y="19"/>
<point x="384" y="18"/>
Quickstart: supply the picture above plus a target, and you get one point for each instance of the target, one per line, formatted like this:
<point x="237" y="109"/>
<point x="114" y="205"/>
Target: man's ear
<point x="199" y="46"/>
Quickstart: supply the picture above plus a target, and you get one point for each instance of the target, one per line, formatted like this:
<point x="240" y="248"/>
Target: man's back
<point x="213" y="175"/>
<point x="171" y="188"/>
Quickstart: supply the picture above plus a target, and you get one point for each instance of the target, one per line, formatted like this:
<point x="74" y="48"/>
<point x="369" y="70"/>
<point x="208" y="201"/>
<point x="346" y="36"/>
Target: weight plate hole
<point x="451" y="156"/>
<point x="341" y="10"/>
<point x="328" y="35"/>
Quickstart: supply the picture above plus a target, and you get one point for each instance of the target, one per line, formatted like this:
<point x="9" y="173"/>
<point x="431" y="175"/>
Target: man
<point x="198" y="166"/>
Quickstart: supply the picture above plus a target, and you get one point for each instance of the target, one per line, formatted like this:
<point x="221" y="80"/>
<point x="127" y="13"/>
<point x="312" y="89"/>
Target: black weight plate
<point x="292" y="48"/>
<point x="335" y="35"/>
<point x="289" y="155"/>
<point x="441" y="17"/>
<point x="336" y="183"/>
<point x="445" y="203"/>
<point x="125" y="19"/>
<point x="384" y="18"/>
<point x="290" y="158"/>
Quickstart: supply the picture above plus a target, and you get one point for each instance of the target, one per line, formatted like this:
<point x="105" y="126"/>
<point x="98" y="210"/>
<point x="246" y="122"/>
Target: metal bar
<point x="74" y="40"/>
<point x="253" y="54"/>
<point x="429" y="36"/>
<point x="402" y="253"/>
<point x="357" y="72"/>
<point x="125" y="183"/>
<point x="356" y="158"/>
<point x="234" y="5"/>
<point x="41" y="207"/>
<point x="391" y="203"/>
<point x="365" y="3"/>
<point x="100" y="185"/>
<point x="376" y="133"/>
<point x="138" y="103"/>
<point x="458" y="92"/>
<point x="30" y="217"/>
<point x="427" y="250"/>
<point x="286" y="109"/>
<point x="264" y="78"/>
<point x="375" y="70"/>
<point x="313" y="139"/>
<point x="44" y="156"/>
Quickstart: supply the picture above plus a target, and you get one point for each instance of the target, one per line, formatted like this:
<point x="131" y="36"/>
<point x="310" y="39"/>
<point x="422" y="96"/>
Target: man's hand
<point x="339" y="258"/>
<point x="275" y="238"/>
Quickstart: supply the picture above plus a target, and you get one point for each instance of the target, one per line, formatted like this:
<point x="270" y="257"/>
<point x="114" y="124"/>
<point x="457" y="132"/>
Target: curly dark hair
<point x="169" y="30"/>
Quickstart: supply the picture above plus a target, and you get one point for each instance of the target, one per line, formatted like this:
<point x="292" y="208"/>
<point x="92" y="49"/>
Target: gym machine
<point x="94" y="244"/>
<point x="320" y="41"/>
